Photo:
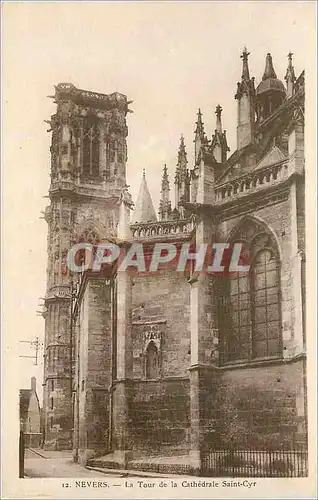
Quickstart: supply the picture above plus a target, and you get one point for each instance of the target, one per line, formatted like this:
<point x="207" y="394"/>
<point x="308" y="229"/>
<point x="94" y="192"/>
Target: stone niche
<point x="147" y="349"/>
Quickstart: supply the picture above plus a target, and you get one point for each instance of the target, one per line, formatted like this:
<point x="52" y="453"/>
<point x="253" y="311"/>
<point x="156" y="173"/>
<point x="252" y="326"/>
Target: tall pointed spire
<point x="219" y="147"/>
<point x="218" y="112"/>
<point x="182" y="161"/>
<point x="290" y="77"/>
<point x="165" y="204"/>
<point x="245" y="70"/>
<point x="182" y="154"/>
<point x="182" y="178"/>
<point x="269" y="68"/>
<point x="144" y="211"/>
<point x="245" y="96"/>
<point x="246" y="85"/>
<point x="165" y="180"/>
<point x="199" y="129"/>
<point x="199" y="136"/>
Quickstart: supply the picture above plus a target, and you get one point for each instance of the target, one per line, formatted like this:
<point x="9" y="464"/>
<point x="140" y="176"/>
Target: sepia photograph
<point x="159" y="226"/>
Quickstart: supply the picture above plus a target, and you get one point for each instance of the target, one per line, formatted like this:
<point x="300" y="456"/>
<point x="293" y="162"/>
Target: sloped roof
<point x="275" y="155"/>
<point x="144" y="209"/>
<point x="270" y="81"/>
<point x="234" y="160"/>
<point x="25" y="395"/>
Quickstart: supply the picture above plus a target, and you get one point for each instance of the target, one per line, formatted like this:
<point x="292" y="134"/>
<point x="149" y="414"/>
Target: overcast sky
<point x="168" y="58"/>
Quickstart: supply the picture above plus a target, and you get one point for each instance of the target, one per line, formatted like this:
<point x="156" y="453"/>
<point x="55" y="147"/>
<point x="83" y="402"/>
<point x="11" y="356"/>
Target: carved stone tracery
<point x="150" y="334"/>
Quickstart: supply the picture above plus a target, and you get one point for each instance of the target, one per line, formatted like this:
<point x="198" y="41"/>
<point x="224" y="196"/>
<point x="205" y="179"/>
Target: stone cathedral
<point x="174" y="364"/>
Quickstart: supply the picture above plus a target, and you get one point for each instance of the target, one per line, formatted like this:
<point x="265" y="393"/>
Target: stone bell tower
<point x="88" y="174"/>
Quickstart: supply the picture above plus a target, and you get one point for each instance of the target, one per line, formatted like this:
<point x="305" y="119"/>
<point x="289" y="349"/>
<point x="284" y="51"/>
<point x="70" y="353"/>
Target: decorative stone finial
<point x="199" y="129"/>
<point x="245" y="71"/>
<point x="245" y="54"/>
<point x="218" y="112"/>
<point x="290" y="77"/>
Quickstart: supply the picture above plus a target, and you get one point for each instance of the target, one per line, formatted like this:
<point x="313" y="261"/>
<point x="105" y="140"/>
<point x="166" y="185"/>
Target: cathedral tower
<point x="88" y="174"/>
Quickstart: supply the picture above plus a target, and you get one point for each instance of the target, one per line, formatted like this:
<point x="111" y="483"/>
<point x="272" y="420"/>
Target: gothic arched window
<point x="83" y="256"/>
<point x="239" y="333"/>
<point x="152" y="361"/>
<point x="250" y="318"/>
<point x="91" y="148"/>
<point x="266" y="306"/>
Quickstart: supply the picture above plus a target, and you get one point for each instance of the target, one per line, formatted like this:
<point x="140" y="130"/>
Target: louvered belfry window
<point x="91" y="145"/>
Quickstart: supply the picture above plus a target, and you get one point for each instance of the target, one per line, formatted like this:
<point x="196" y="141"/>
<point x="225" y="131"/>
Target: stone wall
<point x="159" y="414"/>
<point x="57" y="391"/>
<point x="258" y="406"/>
<point x="163" y="297"/>
<point x="301" y="222"/>
<point x="159" y="409"/>
<point x="59" y="407"/>
<point x="32" y="439"/>
<point x="94" y="377"/>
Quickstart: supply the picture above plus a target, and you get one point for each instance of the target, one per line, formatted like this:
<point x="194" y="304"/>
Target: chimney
<point x="33" y="384"/>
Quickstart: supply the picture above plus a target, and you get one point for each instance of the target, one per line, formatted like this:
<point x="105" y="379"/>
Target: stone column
<point x="124" y="359"/>
<point x="65" y="150"/>
<point x="296" y="165"/>
<point x="76" y="388"/>
<point x="195" y="421"/>
<point x="123" y="368"/>
<point x="203" y="333"/>
<point x="298" y="337"/>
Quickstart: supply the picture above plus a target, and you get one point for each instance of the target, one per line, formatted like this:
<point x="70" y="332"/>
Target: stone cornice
<point x="77" y="191"/>
<point x="202" y="367"/>
<point x="149" y="322"/>
<point x="67" y="91"/>
<point x="249" y="364"/>
<point x="244" y="204"/>
<point x="254" y="202"/>
<point x="171" y="378"/>
<point x="164" y="230"/>
<point x="263" y="362"/>
<point x="58" y="292"/>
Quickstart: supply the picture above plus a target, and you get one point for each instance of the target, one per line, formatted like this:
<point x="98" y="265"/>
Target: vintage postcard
<point x="159" y="249"/>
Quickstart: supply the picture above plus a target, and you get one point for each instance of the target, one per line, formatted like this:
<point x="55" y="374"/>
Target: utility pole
<point x="35" y="344"/>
